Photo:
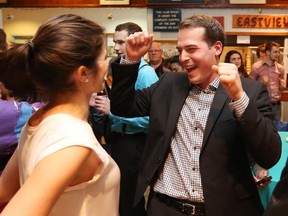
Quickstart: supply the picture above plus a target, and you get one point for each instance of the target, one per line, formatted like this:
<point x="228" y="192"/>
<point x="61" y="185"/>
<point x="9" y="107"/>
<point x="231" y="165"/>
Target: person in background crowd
<point x="3" y="42"/>
<point x="99" y="120"/>
<point x="175" y="65"/>
<point x="13" y="115"/>
<point x="202" y="124"/>
<point x="155" y="58"/>
<point x="235" y="57"/>
<point x="260" y="52"/>
<point x="172" y="64"/>
<point x="59" y="167"/>
<point x="166" y="65"/>
<point x="129" y="134"/>
<point x="271" y="73"/>
<point x="109" y="80"/>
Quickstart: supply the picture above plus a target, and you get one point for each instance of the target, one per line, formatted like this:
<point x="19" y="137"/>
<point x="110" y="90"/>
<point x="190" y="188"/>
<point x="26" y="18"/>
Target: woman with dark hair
<point x="235" y="57"/>
<point x="175" y="65"/>
<point x="59" y="167"/>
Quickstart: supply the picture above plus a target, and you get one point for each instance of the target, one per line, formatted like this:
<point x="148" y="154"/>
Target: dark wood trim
<point x="69" y="3"/>
<point x="140" y="3"/>
<point x="187" y="5"/>
<point x="258" y="33"/>
<point x="166" y="41"/>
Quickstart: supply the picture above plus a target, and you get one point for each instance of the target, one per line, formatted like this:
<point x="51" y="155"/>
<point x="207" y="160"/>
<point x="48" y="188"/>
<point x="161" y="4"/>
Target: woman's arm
<point x="9" y="181"/>
<point x="51" y="176"/>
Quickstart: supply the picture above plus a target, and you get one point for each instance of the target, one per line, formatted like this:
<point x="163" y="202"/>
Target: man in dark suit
<point x="203" y="125"/>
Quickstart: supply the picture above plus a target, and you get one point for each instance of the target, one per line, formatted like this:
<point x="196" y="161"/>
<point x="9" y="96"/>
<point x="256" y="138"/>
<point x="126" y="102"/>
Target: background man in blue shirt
<point x="129" y="134"/>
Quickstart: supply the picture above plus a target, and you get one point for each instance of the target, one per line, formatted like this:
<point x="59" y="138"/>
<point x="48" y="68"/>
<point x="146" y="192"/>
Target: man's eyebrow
<point x="118" y="41"/>
<point x="187" y="46"/>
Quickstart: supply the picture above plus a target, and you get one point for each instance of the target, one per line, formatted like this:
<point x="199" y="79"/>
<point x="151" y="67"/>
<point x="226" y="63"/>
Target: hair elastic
<point x="30" y="45"/>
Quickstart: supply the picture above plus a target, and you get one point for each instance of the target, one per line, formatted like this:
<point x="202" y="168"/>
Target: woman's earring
<point x="86" y="80"/>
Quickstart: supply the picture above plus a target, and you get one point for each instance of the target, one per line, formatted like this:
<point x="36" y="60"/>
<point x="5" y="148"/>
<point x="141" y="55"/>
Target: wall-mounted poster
<point x="166" y="19"/>
<point x="176" y="1"/>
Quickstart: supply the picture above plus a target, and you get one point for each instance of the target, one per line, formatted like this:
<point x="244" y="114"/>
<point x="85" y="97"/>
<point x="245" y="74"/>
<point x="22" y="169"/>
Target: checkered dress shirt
<point x="181" y="177"/>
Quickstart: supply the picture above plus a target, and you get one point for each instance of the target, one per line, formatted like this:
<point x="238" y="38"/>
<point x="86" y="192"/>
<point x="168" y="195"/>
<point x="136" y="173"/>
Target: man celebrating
<point x="203" y="125"/>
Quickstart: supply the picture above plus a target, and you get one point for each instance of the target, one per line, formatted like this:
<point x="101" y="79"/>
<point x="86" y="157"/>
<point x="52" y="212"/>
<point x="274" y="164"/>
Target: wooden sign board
<point x="260" y="21"/>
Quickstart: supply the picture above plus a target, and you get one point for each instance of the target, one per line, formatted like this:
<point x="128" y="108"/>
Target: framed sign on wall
<point x="166" y="19"/>
<point x="110" y="45"/>
<point x="114" y="2"/>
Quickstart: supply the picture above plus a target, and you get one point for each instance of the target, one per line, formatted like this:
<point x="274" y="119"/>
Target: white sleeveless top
<point x="97" y="197"/>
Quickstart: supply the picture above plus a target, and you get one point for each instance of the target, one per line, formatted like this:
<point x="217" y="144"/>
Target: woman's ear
<point x="82" y="74"/>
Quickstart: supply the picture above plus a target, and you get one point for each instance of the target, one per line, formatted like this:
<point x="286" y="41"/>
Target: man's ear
<point x="218" y="46"/>
<point x="82" y="74"/>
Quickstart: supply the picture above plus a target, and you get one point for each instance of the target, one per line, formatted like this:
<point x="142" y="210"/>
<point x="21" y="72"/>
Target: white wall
<point x="25" y="21"/>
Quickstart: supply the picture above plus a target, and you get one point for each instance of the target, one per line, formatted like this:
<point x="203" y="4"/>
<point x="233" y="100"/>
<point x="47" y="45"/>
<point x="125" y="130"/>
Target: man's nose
<point x="183" y="56"/>
<point x="116" y="47"/>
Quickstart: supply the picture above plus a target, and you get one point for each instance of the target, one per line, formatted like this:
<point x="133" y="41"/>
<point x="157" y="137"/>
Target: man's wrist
<point x="128" y="61"/>
<point x="240" y="105"/>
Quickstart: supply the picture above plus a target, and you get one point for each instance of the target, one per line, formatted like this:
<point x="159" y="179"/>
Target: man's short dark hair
<point x="260" y="48"/>
<point x="213" y="30"/>
<point x="271" y="44"/>
<point x="130" y="27"/>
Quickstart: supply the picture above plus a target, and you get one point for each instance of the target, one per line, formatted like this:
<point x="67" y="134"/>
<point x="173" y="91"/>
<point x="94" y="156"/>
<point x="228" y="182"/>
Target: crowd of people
<point x="189" y="138"/>
<point x="162" y="65"/>
<point x="267" y="70"/>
